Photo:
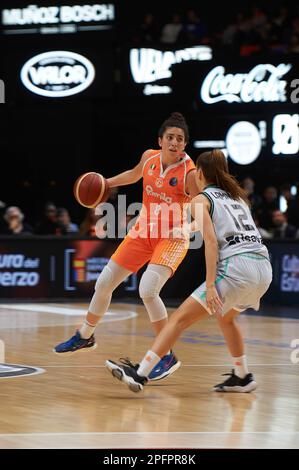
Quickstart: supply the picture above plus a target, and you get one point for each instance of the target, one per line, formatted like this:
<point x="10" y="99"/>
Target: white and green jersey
<point x="234" y="227"/>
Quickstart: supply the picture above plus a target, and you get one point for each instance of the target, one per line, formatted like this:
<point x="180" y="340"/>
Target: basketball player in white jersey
<point x="238" y="273"/>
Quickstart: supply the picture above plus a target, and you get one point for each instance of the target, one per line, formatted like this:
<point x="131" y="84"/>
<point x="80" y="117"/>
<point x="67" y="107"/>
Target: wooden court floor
<point x="75" y="403"/>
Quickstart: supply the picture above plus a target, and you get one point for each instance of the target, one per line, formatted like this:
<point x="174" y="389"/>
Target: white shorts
<point x="241" y="282"/>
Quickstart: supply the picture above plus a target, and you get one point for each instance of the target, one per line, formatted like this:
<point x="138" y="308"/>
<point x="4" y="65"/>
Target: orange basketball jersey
<point x="164" y="195"/>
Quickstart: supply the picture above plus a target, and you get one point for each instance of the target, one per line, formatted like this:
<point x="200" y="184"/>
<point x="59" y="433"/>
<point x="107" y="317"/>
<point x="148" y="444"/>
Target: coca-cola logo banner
<point x="262" y="83"/>
<point x="208" y="82"/>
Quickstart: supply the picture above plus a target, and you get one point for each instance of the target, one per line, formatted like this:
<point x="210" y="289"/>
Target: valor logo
<point x="57" y="74"/>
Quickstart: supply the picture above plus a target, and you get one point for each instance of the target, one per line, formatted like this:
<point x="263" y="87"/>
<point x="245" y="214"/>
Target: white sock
<point x="86" y="330"/>
<point x="147" y="364"/>
<point x="240" y="366"/>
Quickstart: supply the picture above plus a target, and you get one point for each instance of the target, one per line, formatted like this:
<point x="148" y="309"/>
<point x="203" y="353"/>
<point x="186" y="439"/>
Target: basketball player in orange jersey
<point x="168" y="179"/>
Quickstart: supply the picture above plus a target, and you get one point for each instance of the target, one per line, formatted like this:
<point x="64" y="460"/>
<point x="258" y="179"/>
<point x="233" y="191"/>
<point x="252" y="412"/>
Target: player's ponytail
<point x="215" y="169"/>
<point x="175" y="120"/>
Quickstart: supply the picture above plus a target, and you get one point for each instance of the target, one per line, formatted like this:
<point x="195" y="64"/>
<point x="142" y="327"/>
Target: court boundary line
<point x="102" y="433"/>
<point x="185" y="365"/>
<point x="68" y="311"/>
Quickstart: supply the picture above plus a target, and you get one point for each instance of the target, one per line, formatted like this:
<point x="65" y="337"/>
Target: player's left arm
<point x="200" y="210"/>
<point x="192" y="189"/>
<point x="191" y="183"/>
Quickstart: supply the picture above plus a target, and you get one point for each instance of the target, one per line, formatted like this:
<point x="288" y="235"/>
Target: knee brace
<point x="150" y="286"/>
<point x="102" y="293"/>
<point x="105" y="280"/>
<point x="111" y="276"/>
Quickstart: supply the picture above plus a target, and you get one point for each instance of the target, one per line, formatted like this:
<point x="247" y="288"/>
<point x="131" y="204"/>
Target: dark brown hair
<point x="215" y="170"/>
<point x="175" y="120"/>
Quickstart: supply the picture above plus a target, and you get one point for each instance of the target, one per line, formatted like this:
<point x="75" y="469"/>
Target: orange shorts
<point x="133" y="253"/>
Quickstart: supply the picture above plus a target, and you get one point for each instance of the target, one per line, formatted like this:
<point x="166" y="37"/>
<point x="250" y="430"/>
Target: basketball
<point x="90" y="189"/>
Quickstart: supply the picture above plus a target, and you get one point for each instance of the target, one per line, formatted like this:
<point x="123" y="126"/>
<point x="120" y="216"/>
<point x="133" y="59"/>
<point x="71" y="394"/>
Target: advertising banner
<point x="42" y="73"/>
<point x="48" y="268"/>
<point x="62" y="268"/>
<point x="27" y="19"/>
<point x="285" y="263"/>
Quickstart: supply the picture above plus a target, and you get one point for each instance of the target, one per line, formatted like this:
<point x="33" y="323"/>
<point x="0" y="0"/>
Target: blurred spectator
<point x="285" y="191"/>
<point x="194" y="30"/>
<point x="148" y="30"/>
<point x="293" y="209"/>
<point x="88" y="226"/>
<point x="295" y="25"/>
<point x="235" y="33"/>
<point x="255" y="29"/>
<point x="258" y="17"/>
<point x="269" y="203"/>
<point x="255" y="200"/>
<point x="171" y="31"/>
<point x="264" y="233"/>
<point x="2" y="223"/>
<point x="49" y="224"/>
<point x="293" y="47"/>
<point x="280" y="24"/>
<point x="63" y="218"/>
<point x="281" y="228"/>
<point x="14" y="218"/>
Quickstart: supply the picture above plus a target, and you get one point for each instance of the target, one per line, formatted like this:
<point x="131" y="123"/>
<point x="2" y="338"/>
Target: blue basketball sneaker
<point x="168" y="365"/>
<point x="76" y="343"/>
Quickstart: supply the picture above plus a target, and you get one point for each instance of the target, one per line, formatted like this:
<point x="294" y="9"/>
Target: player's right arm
<point x="130" y="176"/>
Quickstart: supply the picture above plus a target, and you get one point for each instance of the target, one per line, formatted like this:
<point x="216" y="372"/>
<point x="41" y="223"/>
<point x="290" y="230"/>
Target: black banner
<point x="143" y="458"/>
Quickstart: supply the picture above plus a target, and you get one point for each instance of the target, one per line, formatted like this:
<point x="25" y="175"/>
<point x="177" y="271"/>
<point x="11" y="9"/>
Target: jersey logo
<point x="162" y="196"/>
<point x="151" y="169"/>
<point x="159" y="182"/>
<point x="234" y="239"/>
<point x="173" y="181"/>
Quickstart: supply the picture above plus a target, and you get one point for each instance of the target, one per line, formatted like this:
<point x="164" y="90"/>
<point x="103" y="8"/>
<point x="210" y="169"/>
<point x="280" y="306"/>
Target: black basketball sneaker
<point x="236" y="384"/>
<point x="127" y="372"/>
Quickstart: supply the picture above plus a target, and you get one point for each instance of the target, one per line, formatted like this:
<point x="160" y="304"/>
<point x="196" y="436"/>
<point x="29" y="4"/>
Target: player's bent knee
<point x="180" y="323"/>
<point x="225" y="319"/>
<point x="149" y="285"/>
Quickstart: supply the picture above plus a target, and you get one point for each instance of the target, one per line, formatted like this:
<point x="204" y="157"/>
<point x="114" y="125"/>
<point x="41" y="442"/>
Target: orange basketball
<point x="90" y="189"/>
